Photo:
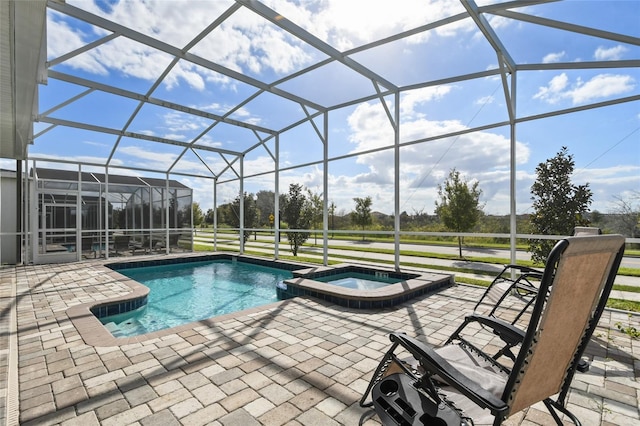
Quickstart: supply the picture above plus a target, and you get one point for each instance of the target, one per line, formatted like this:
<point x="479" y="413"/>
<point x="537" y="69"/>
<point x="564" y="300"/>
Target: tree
<point x="225" y="214"/>
<point x="459" y="208"/>
<point x="361" y="216"/>
<point x="297" y="214"/>
<point x="316" y="204"/>
<point x="559" y="206"/>
<point x="250" y="214"/>
<point x="627" y="215"/>
<point x="596" y="218"/>
<point x="197" y="214"/>
<point x="332" y="214"/>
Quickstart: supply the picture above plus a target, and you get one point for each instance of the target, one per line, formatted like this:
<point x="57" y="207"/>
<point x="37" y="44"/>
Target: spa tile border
<point x="413" y="285"/>
<point x="346" y="268"/>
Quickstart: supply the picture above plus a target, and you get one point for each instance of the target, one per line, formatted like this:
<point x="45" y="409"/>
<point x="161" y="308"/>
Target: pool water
<point x="186" y="292"/>
<point x="358" y="281"/>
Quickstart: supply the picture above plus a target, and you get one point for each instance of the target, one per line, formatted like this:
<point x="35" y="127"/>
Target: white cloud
<point x="346" y="24"/>
<point x="62" y="39"/>
<point x="602" y="86"/>
<point x="467" y="25"/>
<point x="481" y="155"/>
<point x="455" y="29"/>
<point x="175" y="136"/>
<point x="598" y="87"/>
<point x="261" y="164"/>
<point x="610" y="54"/>
<point x="485" y="100"/>
<point x="98" y="144"/>
<point x="553" y="57"/>
<point x="156" y="160"/>
<point x="607" y="183"/>
<point x="370" y="127"/>
<point x="551" y="92"/>
<point x="179" y="122"/>
<point x="412" y="99"/>
<point x="242" y="112"/>
<point x="499" y="22"/>
<point x="161" y="160"/>
<point x="243" y="43"/>
<point x="182" y="72"/>
<point x="208" y="141"/>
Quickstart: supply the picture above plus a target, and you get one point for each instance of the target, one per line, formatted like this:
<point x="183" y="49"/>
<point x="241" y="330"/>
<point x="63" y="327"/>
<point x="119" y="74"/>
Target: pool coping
<point x="94" y="333"/>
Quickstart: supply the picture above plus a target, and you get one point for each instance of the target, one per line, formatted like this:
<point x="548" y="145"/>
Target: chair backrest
<point x="580" y="272"/>
<point x="586" y="230"/>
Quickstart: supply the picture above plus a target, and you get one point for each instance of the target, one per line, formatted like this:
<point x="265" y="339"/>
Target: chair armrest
<point x="528" y="270"/>
<point x="524" y="270"/>
<point x="506" y="331"/>
<point x="435" y="364"/>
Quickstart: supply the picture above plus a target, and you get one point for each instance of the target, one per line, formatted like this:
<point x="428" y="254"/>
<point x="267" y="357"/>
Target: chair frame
<point x="522" y="285"/>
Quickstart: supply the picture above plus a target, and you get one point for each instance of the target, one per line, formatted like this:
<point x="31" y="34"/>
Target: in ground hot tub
<point x="360" y="280"/>
<point x="360" y="286"/>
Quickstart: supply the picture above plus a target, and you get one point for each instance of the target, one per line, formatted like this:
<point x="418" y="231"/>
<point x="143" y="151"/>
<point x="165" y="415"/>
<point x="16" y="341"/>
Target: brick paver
<point x="299" y="362"/>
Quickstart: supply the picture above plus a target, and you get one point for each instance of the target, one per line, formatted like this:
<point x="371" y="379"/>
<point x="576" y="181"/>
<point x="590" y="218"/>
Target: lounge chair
<point x="160" y="243"/>
<point x="144" y="245"/>
<point x="88" y="246"/>
<point x="121" y="243"/>
<point x="459" y="384"/>
<point x="173" y="241"/>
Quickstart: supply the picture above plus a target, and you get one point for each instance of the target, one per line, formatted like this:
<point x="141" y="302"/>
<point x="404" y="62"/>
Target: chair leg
<point x="366" y="416"/>
<point x="552" y="406"/>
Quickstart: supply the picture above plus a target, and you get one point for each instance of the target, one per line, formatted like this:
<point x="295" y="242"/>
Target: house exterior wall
<point x="8" y="218"/>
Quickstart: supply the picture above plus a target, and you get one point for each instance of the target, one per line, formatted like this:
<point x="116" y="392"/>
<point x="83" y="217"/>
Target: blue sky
<point x="605" y="142"/>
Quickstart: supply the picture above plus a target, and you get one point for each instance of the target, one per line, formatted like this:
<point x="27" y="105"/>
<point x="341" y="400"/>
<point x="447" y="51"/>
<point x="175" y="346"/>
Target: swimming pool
<point x="180" y="293"/>
<point x="300" y="281"/>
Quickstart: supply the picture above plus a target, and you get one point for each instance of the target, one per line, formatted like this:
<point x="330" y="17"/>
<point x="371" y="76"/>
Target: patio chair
<point x="121" y="243"/>
<point x="88" y="246"/>
<point x="144" y="245"/>
<point x="173" y="241"/>
<point x="160" y="242"/>
<point x="458" y="384"/>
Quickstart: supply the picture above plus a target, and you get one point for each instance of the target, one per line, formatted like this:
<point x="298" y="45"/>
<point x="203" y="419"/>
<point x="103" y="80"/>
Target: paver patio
<point x="296" y="362"/>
